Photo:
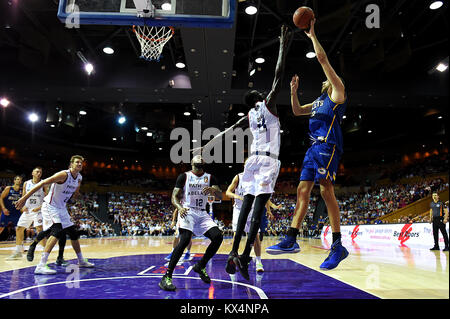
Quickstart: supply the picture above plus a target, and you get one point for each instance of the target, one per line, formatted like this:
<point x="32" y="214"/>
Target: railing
<point x="415" y="209"/>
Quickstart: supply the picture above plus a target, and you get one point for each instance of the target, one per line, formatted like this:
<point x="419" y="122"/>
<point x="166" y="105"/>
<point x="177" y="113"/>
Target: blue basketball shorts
<point x="5" y="219"/>
<point x="321" y="162"/>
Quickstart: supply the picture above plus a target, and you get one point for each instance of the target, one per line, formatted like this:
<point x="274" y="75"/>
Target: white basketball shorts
<point x="28" y="218"/>
<point x="52" y="215"/>
<point x="197" y="221"/>
<point x="260" y="175"/>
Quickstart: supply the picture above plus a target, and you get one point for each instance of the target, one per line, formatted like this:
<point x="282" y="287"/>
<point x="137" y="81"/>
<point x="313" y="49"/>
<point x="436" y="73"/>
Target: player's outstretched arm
<point x="298" y="109"/>
<point x="279" y="69"/>
<point x="242" y="123"/>
<point x="56" y="178"/>
<point x="338" y="93"/>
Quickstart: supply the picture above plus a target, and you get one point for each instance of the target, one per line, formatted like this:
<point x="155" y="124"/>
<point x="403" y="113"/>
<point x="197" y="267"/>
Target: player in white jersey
<point x="190" y="197"/>
<point x="64" y="184"/>
<point x="262" y="167"/>
<point x="236" y="191"/>
<point x="31" y="212"/>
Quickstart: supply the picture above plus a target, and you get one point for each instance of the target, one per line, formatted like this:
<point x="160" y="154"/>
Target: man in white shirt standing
<point x="64" y="184"/>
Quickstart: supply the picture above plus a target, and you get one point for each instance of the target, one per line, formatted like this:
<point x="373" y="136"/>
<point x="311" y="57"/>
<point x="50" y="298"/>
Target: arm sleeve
<point x="181" y="180"/>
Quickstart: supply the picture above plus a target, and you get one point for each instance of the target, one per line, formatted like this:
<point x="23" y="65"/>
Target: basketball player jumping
<point x="54" y="211"/>
<point x="262" y="167"/>
<point x="31" y="212"/>
<point x="322" y="158"/>
<point x="190" y="197"/>
<point x="236" y="191"/>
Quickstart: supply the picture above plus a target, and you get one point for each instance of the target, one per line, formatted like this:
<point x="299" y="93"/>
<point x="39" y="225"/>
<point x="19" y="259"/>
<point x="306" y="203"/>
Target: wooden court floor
<point x="380" y="270"/>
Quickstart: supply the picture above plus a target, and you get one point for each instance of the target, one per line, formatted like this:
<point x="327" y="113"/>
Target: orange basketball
<point x="302" y="17"/>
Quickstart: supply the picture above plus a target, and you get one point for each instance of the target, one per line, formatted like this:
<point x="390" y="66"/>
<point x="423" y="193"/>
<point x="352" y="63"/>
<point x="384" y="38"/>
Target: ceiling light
<point x="252" y="72"/>
<point x="241" y="114"/>
<point x="89" y="68"/>
<point x="439" y="117"/>
<point x="180" y="65"/>
<point x="187" y="113"/>
<point x="251" y="10"/>
<point x="369" y="131"/>
<point x="160" y="148"/>
<point x="344" y="117"/>
<point x="149" y="134"/>
<point x="441" y="67"/>
<point x="144" y="128"/>
<point x="260" y="60"/>
<point x="4" y="102"/>
<point x="311" y="55"/>
<point x="436" y="5"/>
<point x="108" y="50"/>
<point x="114" y="139"/>
<point x="33" y="117"/>
<point x="52" y="125"/>
<point x="82" y="112"/>
<point x="122" y="119"/>
<point x="166" y="6"/>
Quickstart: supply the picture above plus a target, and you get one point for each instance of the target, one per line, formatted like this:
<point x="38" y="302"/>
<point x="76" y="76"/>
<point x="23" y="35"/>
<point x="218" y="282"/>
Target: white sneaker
<point x="259" y="267"/>
<point x="15" y="256"/>
<point x="44" y="270"/>
<point x="85" y="264"/>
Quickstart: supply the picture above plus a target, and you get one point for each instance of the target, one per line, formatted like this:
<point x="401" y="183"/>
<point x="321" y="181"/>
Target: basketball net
<point x="152" y="40"/>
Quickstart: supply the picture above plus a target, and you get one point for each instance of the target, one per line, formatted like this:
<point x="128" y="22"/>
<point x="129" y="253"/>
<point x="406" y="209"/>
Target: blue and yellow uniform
<point x="322" y="158"/>
<point x="9" y="201"/>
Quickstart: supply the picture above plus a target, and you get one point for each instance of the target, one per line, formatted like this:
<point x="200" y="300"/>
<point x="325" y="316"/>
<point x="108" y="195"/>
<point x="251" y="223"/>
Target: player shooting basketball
<point x="322" y="158"/>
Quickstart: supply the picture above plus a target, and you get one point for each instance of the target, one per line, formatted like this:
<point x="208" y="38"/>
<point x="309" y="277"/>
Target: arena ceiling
<point x="394" y="90"/>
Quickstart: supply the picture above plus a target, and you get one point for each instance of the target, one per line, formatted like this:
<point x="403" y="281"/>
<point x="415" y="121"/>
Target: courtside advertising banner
<point x="401" y="234"/>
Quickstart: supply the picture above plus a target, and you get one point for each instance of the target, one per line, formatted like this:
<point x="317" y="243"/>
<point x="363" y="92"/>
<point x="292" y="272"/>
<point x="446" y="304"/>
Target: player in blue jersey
<point x="322" y="158"/>
<point x="7" y="200"/>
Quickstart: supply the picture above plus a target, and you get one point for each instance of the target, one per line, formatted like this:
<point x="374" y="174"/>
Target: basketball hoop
<point x="152" y="40"/>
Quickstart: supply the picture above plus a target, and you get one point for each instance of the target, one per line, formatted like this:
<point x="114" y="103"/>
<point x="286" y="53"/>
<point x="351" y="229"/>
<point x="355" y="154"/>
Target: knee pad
<point x="72" y="232"/>
<point x="56" y="230"/>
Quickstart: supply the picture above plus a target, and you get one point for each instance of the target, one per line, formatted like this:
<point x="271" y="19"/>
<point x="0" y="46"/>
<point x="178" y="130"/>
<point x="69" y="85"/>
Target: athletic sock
<point x="258" y="259"/>
<point x="44" y="258"/>
<point x="292" y="232"/>
<point x="80" y="256"/>
<point x="19" y="248"/>
<point x="336" y="236"/>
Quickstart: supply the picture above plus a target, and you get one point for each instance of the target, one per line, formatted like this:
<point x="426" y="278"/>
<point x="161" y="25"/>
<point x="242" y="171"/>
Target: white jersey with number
<point x="265" y="128"/>
<point x="36" y="199"/>
<point x="193" y="196"/>
<point x="60" y="194"/>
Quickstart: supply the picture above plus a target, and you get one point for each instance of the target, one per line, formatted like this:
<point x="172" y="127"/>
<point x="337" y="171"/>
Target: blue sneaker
<point x="187" y="256"/>
<point x="168" y="257"/>
<point x="287" y="246"/>
<point x="337" y="254"/>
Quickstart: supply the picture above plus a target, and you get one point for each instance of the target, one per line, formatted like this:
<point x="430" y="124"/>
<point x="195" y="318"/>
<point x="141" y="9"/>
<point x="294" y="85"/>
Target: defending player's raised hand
<point x="285" y="35"/>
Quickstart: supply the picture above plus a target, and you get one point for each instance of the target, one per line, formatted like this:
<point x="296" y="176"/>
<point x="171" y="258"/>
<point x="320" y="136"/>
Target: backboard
<point x="175" y="13"/>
